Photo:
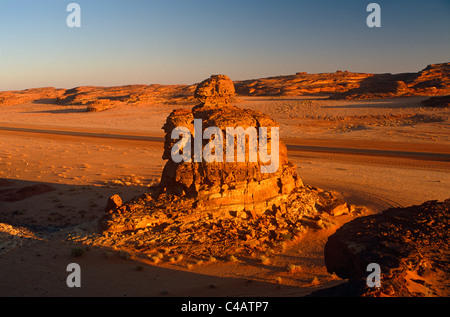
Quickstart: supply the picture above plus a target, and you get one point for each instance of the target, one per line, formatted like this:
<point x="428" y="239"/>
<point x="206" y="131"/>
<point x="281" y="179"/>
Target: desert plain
<point x="59" y="164"/>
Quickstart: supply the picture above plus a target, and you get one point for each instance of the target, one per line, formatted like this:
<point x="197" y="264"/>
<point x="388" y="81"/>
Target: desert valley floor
<point x="374" y="153"/>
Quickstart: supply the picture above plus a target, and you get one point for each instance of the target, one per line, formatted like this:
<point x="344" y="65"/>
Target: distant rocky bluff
<point x="434" y="80"/>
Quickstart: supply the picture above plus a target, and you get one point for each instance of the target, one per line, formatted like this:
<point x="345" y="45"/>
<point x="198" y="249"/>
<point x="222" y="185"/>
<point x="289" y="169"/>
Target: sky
<point x="185" y="41"/>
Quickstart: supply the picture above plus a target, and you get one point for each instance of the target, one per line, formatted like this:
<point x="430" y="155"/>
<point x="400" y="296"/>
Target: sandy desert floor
<point x="378" y="154"/>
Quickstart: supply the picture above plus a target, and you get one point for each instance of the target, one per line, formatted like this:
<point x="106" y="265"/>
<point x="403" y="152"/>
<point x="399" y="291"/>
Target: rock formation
<point x="101" y="105"/>
<point x="42" y="95"/>
<point x="434" y="80"/>
<point x="228" y="183"/>
<point x="129" y="94"/>
<point x="410" y="245"/>
<point x="220" y="206"/>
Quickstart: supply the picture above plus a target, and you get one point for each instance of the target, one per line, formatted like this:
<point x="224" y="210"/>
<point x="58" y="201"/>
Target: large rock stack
<point x="226" y="185"/>
<point x="233" y="203"/>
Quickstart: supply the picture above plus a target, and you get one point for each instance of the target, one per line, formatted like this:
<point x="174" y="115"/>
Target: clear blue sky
<point x="184" y="41"/>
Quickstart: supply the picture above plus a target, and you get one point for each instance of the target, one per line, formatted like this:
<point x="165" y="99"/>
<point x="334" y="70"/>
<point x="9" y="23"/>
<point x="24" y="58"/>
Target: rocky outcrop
<point x="43" y="95"/>
<point x="130" y="94"/>
<point x="215" y="91"/>
<point x="410" y="245"/>
<point x="223" y="205"/>
<point x="232" y="183"/>
<point x="301" y="84"/>
<point x="101" y="105"/>
<point x="433" y="80"/>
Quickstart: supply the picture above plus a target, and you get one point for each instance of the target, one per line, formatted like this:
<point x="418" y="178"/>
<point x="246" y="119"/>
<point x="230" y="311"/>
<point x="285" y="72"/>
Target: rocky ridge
<point x="42" y="95"/>
<point x="434" y="80"/>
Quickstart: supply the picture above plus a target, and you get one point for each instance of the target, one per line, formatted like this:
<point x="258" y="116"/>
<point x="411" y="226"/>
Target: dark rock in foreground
<point x="410" y="245"/>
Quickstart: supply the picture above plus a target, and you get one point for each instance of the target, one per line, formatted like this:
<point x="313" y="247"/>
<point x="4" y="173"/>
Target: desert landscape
<point x="86" y="177"/>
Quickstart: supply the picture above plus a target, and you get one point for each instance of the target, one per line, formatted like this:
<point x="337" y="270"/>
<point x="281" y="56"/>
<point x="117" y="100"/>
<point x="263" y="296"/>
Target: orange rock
<point x="338" y="208"/>
<point x="113" y="203"/>
<point x="218" y="89"/>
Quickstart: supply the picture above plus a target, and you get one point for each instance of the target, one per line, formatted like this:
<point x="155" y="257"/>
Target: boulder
<point x="409" y="244"/>
<point x="337" y="208"/>
<point x="218" y="89"/>
<point x="113" y="203"/>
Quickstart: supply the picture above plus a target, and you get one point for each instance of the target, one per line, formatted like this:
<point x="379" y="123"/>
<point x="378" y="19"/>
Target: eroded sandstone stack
<point x="224" y="185"/>
<point x="225" y="204"/>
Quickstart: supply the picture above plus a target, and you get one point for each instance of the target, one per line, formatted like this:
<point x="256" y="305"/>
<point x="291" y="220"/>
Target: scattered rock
<point x="433" y="80"/>
<point x="337" y="208"/>
<point x="113" y="203"/>
<point x="12" y="236"/>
